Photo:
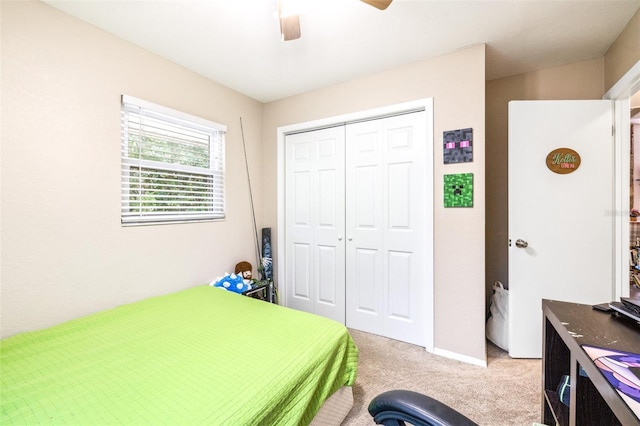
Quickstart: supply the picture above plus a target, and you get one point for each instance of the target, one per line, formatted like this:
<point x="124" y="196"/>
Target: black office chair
<point x="394" y="408"/>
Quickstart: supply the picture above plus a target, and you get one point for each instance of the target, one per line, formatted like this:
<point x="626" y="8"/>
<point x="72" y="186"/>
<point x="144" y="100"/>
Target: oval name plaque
<point x="563" y="161"/>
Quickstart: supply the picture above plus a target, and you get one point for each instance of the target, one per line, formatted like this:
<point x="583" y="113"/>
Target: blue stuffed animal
<point x="231" y="282"/>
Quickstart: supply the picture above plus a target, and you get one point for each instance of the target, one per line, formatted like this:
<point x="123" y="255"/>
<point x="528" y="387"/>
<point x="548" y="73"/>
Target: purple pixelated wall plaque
<point x="458" y="146"/>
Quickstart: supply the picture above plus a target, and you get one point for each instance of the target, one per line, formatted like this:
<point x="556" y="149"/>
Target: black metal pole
<point x="253" y="213"/>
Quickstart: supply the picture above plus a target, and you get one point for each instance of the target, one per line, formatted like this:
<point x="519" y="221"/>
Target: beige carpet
<point x="507" y="392"/>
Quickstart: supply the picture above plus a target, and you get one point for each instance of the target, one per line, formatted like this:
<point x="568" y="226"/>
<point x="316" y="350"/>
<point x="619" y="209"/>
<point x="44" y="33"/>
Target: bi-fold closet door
<point x="357" y="215"/>
<point x="315" y="222"/>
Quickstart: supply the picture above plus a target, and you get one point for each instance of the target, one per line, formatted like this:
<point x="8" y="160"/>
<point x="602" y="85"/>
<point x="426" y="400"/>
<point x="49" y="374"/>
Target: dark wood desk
<point x="593" y="400"/>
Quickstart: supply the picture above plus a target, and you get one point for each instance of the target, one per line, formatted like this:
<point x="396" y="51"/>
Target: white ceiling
<point x="237" y="42"/>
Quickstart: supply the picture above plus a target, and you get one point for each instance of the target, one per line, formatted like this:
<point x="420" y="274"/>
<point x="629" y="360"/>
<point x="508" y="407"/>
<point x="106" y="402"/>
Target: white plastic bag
<point x="498" y="322"/>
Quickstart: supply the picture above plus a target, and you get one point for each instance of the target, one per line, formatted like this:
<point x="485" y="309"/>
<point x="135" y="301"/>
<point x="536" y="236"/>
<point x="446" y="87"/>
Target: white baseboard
<point x="459" y="357"/>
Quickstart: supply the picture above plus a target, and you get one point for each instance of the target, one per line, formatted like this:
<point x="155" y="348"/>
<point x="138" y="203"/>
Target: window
<point x="172" y="165"/>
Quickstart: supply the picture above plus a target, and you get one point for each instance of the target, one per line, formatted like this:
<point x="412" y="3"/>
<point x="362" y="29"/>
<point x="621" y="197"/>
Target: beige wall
<point x="623" y="54"/>
<point x="456" y="82"/>
<point x="64" y="253"/>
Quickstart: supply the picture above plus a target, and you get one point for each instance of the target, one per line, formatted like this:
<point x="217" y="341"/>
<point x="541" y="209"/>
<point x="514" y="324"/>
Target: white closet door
<point x="315" y="197"/>
<point x="388" y="251"/>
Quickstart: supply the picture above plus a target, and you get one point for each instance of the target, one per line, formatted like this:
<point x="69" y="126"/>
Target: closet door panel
<point x="364" y="275"/>
<point x="327" y="265"/>
<point x="314" y="192"/>
<point x="364" y="254"/>
<point x="405" y="232"/>
<point x="393" y="151"/>
<point x="399" y="267"/>
<point x="401" y="319"/>
<point x="299" y="223"/>
<point x="365" y="286"/>
<point x="366" y="197"/>
<point x="302" y="279"/>
<point x="399" y="199"/>
<point x="330" y="289"/>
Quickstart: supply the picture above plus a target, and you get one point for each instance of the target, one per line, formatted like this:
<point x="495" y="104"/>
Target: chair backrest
<point x="394" y="408"/>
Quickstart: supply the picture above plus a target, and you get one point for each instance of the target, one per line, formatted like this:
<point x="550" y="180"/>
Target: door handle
<point x="521" y="243"/>
<point x="340" y="237"/>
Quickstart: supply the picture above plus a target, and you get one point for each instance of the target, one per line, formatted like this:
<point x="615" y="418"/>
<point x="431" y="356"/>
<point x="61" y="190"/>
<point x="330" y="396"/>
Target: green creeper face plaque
<point x="458" y="190"/>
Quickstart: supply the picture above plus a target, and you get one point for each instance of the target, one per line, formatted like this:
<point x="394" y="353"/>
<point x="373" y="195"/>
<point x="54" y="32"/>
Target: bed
<point x="199" y="356"/>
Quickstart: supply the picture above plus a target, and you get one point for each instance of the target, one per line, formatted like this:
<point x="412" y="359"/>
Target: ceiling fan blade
<point x="290" y="27"/>
<point x="289" y="20"/>
<point x="380" y="4"/>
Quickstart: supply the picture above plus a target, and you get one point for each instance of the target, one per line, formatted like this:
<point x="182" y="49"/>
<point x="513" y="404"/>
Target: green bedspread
<point x="198" y="356"/>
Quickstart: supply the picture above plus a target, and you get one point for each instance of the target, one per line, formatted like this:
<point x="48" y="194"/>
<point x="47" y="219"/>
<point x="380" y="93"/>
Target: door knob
<point x="350" y="238"/>
<point x="521" y="243"/>
<point x="340" y="237"/>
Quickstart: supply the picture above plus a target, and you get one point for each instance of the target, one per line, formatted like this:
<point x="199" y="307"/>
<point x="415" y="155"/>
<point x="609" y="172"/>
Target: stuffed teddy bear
<point x="231" y="282"/>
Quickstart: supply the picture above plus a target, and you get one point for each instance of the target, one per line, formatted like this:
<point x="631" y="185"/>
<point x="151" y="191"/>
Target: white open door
<point x="562" y="223"/>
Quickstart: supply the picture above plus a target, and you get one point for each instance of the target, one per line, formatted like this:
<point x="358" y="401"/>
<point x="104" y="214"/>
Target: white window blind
<point x="172" y="165"/>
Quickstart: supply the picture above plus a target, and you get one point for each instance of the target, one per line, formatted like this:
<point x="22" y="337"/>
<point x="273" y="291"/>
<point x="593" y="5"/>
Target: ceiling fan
<point x="290" y="23"/>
